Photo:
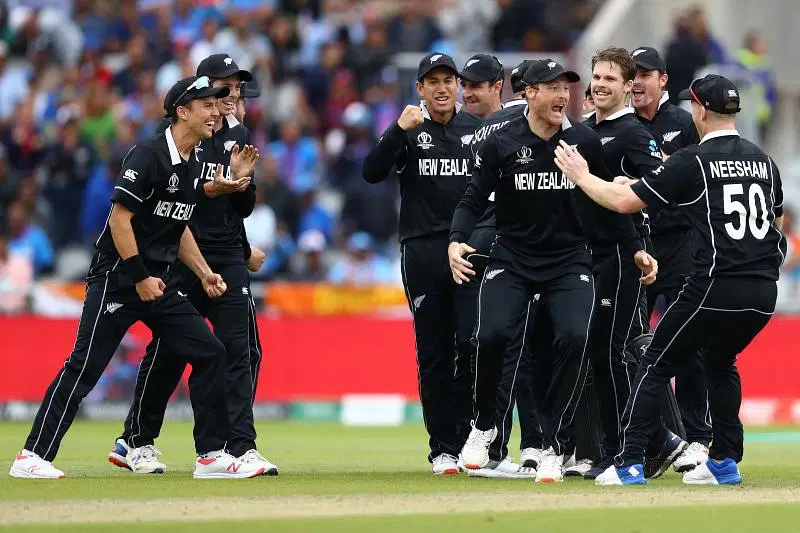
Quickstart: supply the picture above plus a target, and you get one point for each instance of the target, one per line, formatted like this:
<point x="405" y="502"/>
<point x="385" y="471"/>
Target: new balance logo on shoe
<point x="111" y="307"/>
<point x="234" y="467"/>
<point x="493" y="273"/>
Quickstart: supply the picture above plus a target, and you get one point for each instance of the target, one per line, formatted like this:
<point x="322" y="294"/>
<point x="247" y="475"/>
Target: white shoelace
<point x="550" y="461"/>
<point x="252" y="456"/>
<point x="444" y="458"/>
<point x="695" y="448"/>
<point x="147" y="453"/>
<point x="478" y="438"/>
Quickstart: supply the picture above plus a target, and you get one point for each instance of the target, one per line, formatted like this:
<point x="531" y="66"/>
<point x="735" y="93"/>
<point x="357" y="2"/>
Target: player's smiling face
<point x="479" y="96"/>
<point x="647" y="87"/>
<point x="609" y="88"/>
<point x="227" y="105"/>
<point x="549" y="100"/>
<point x="438" y="88"/>
<point x="201" y="115"/>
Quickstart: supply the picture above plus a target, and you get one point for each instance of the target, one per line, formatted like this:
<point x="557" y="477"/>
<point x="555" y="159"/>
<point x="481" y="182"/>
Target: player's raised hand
<point x="221" y="185"/>
<point x="214" y="285"/>
<point x="243" y="162"/>
<point x="571" y="162"/>
<point x="648" y="265"/>
<point x="410" y="118"/>
<point x="150" y="289"/>
<point x="460" y="267"/>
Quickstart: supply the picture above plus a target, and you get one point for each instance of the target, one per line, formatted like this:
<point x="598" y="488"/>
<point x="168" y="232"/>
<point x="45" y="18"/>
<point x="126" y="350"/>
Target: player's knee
<point x="571" y="340"/>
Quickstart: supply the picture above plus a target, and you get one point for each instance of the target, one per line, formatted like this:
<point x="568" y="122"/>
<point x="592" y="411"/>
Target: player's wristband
<point x="135" y="268"/>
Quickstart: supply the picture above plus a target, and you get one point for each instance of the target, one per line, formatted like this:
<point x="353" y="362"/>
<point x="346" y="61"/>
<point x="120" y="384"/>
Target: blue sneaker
<point x="118" y="456"/>
<point x="625" y="475"/>
<point x="672" y="448"/>
<point x="714" y="473"/>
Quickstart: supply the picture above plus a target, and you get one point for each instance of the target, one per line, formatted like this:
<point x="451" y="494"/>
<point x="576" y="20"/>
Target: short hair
<point x="618" y="56"/>
<point x="174" y="117"/>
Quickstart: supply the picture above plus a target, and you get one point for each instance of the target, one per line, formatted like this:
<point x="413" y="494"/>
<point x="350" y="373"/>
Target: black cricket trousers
<point x="515" y="383"/>
<point x="503" y="307"/>
<point x="619" y="316"/>
<point x="232" y="316"/>
<point x="719" y="316"/>
<point x="442" y="375"/>
<point x="673" y="252"/>
<point x="177" y="327"/>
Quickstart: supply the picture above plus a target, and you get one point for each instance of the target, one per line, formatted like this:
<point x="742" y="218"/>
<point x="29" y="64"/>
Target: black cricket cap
<point x="715" y="93"/>
<point x="189" y="89"/>
<point x="544" y="70"/>
<point x="648" y="58"/>
<point x="435" y="60"/>
<point x="516" y="76"/>
<point x="482" y="67"/>
<point x="250" y="89"/>
<point x="221" y="66"/>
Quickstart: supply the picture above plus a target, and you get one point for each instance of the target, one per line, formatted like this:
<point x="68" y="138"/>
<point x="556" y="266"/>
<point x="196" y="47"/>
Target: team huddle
<point x="534" y="247"/>
<point x="560" y="237"/>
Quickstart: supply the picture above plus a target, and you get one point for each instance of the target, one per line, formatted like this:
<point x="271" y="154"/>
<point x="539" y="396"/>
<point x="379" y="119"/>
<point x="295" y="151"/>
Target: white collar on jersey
<point x="664" y="99"/>
<point x="174" y="155"/>
<point x="427" y="115"/>
<point x="513" y="103"/>
<point x="622" y="112"/>
<point x="588" y="115"/>
<point x="719" y="133"/>
<point x="232" y="122"/>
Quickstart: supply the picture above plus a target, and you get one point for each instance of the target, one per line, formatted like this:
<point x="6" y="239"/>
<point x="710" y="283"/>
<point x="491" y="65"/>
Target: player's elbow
<point x="628" y="203"/>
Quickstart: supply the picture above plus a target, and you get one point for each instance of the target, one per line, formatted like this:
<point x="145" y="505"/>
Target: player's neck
<point x="218" y="123"/>
<point x="542" y="128"/>
<point x="442" y="117"/>
<point x="185" y="140"/>
<point x="601" y="115"/>
<point x="496" y="106"/>
<point x="649" y="111"/>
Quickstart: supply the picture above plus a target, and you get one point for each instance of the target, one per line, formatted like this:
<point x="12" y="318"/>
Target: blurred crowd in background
<point x="81" y="81"/>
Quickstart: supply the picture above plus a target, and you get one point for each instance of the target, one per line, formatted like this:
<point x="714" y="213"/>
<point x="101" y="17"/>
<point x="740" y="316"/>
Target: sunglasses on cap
<point x="203" y="82"/>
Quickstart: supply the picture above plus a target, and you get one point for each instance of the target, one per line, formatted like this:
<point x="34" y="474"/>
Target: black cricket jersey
<point x="629" y="149"/>
<point x="158" y="186"/>
<point x="673" y="128"/>
<point x="491" y="124"/>
<point x="731" y="191"/>
<point x="432" y="162"/>
<point x="539" y="211"/>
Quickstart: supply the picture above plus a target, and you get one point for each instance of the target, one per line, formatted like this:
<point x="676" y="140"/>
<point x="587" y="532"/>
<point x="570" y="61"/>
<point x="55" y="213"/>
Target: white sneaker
<point x="31" y="466"/>
<point x="144" y="460"/>
<point x="253" y="457"/>
<point x="118" y="456"/>
<point x="224" y="465"/>
<point x="506" y="469"/>
<point x="445" y="465"/>
<point x="530" y="457"/>
<point x="579" y="468"/>
<point x="608" y="477"/>
<point x="695" y="454"/>
<point x="712" y="472"/>
<point x="475" y="452"/>
<point x="570" y="461"/>
<point x="551" y="467"/>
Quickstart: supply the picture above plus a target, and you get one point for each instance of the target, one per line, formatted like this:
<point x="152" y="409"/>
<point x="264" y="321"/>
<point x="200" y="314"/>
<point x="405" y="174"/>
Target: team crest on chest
<point x="173" y="183"/>
<point x="524" y="155"/>
<point x="424" y="140"/>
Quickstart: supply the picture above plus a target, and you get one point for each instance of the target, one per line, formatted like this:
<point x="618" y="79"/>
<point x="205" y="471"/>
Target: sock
<point x="210" y="455"/>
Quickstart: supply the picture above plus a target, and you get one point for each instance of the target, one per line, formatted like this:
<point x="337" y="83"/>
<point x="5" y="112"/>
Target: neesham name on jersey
<point x="443" y="167"/>
<point x="542" y="181"/>
<point x="175" y="210"/>
<point x="739" y="169"/>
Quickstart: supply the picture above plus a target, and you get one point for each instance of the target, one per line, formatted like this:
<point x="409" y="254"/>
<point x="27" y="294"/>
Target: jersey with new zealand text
<point x="628" y="150"/>
<point x="218" y="229"/>
<point x="731" y="191"/>
<point x="433" y="168"/>
<point x="539" y="211"/>
<point x="673" y="129"/>
<point x="157" y="185"/>
<point x="493" y="123"/>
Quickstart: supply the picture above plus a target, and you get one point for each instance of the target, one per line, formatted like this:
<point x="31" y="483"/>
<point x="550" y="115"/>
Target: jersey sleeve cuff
<point x="124" y="197"/>
<point x="647" y="193"/>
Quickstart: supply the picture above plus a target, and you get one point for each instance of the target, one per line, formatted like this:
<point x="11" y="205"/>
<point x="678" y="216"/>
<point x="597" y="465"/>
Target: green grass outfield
<point x="335" y="478"/>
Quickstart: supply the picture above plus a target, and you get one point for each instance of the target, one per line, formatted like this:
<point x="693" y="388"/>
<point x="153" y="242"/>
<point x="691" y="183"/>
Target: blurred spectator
<point x="261" y="226"/>
<point x="69" y="161"/>
<point x="28" y="239"/>
<point x="413" y="30"/>
<point x="791" y="266"/>
<point x="369" y="59"/>
<point x="251" y="49"/>
<point x="16" y="275"/>
<point x="96" y="203"/>
<point x="205" y="46"/>
<point x="469" y="21"/>
<point x="361" y="266"/>
<point x="312" y="214"/>
<point x="753" y="58"/>
<point x="24" y="138"/>
<point x="310" y="264"/>
<point x="13" y="85"/>
<point x="180" y="67"/>
<point x="9" y="183"/>
<point x="298" y="157"/>
<point x="698" y="28"/>
<point x="35" y="204"/>
<point x="137" y="62"/>
<point x="98" y="125"/>
<point x="684" y="57"/>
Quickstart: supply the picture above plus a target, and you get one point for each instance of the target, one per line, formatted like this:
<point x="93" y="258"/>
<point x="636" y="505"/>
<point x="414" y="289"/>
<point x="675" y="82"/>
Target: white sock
<point x="210" y="455"/>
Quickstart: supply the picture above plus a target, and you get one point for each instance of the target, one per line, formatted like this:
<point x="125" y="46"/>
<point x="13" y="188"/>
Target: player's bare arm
<point x="611" y="195"/>
<point x="148" y="287"/>
<point x="189" y="253"/>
